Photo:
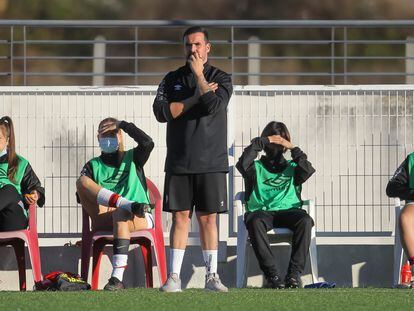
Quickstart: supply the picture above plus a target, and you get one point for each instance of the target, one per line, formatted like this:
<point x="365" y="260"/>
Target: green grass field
<point x="195" y="299"/>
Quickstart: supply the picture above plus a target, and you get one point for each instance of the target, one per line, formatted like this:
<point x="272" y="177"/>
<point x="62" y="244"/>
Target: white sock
<point x="103" y="197"/>
<point x="106" y="197"/>
<point x="210" y="260"/>
<point x="119" y="263"/>
<point x="124" y="203"/>
<point x="176" y="260"/>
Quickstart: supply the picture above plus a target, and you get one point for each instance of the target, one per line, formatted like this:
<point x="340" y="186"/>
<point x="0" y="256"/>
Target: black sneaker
<point x="114" y="284"/>
<point x="292" y="280"/>
<point x="139" y="209"/>
<point x="274" y="282"/>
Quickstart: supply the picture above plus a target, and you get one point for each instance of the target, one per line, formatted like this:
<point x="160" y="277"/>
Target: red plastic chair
<point x="17" y="239"/>
<point x="145" y="238"/>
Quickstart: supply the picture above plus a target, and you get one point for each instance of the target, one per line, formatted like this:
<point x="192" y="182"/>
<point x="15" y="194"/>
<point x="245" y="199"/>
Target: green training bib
<point x="18" y="176"/>
<point x="274" y="191"/>
<point x="411" y="170"/>
<point x="122" y="180"/>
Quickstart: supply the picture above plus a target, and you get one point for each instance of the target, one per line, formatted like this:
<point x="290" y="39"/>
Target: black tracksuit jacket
<point x="398" y="186"/>
<point x="196" y="140"/>
<point x="29" y="182"/>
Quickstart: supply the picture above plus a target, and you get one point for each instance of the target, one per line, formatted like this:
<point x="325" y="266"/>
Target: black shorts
<point x="203" y="192"/>
<point x="12" y="216"/>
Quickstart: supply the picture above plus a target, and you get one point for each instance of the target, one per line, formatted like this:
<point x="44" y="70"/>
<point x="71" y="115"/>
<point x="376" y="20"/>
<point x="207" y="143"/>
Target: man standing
<point x="193" y="101"/>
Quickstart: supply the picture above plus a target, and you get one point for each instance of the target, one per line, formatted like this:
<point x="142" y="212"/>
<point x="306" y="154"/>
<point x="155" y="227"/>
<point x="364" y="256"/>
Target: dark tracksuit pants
<point x="258" y="223"/>
<point x="12" y="216"/>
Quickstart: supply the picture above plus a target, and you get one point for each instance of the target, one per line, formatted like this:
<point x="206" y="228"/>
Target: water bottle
<point x="406" y="274"/>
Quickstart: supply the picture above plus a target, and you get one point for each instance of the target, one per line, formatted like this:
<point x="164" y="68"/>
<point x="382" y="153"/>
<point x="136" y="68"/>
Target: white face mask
<point x="108" y="144"/>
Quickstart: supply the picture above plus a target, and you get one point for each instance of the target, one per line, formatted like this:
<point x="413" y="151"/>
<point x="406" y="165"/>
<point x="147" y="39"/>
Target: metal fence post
<point x="99" y="51"/>
<point x="253" y="63"/>
<point x="333" y="55"/>
<point x="409" y="60"/>
<point x="11" y="55"/>
<point x="136" y="56"/>
<point x="345" y="55"/>
<point x="24" y="57"/>
<point x="232" y="53"/>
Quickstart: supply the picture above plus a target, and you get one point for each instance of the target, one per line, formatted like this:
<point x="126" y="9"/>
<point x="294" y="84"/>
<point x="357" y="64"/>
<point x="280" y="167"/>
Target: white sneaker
<point x="172" y="285"/>
<point x="214" y="284"/>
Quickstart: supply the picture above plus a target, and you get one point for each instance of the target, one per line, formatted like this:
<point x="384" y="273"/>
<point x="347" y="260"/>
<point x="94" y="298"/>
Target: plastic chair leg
<point x="241" y="255"/>
<point x="313" y="255"/>
<point x="98" y="247"/>
<point x="85" y="257"/>
<point x="398" y="250"/>
<point x="147" y="256"/>
<point x="18" y="246"/>
<point x="398" y="259"/>
<point x="35" y="259"/>
<point x="159" y="250"/>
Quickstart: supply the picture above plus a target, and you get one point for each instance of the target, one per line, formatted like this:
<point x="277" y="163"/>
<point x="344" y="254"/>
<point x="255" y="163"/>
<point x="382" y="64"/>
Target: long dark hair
<point x="6" y="126"/>
<point x="275" y="128"/>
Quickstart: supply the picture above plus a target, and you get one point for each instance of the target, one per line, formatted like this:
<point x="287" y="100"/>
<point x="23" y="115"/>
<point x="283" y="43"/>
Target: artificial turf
<point x="196" y="299"/>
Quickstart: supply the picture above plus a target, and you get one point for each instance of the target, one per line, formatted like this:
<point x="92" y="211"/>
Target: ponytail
<point x="6" y="125"/>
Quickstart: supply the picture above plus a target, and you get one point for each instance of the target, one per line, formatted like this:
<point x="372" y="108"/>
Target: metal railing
<point x="34" y="52"/>
<point x="355" y="136"/>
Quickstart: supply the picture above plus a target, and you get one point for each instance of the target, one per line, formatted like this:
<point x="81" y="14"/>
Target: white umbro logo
<point x="178" y="87"/>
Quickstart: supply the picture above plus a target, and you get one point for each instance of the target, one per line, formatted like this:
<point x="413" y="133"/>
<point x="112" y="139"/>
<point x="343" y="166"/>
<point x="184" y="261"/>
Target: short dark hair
<point x="195" y="29"/>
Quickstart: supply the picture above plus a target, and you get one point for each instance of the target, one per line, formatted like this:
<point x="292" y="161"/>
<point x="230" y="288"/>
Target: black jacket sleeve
<point x="145" y="143"/>
<point x="398" y="186"/>
<point x="161" y="106"/>
<point x="245" y="165"/>
<point x="304" y="170"/>
<point x="31" y="182"/>
<point x="87" y="170"/>
<point x="211" y="102"/>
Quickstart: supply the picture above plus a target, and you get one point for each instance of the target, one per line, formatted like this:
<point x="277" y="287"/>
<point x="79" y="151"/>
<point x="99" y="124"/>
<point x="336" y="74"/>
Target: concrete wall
<point x="347" y="265"/>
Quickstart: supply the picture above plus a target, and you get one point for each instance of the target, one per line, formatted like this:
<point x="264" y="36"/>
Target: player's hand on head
<point x="274" y="139"/>
<point x="279" y="140"/>
<point x="108" y="127"/>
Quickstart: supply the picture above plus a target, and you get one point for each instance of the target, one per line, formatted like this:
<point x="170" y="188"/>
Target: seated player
<point x="113" y="190"/>
<point x="273" y="199"/>
<point x="401" y="186"/>
<point x="19" y="185"/>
